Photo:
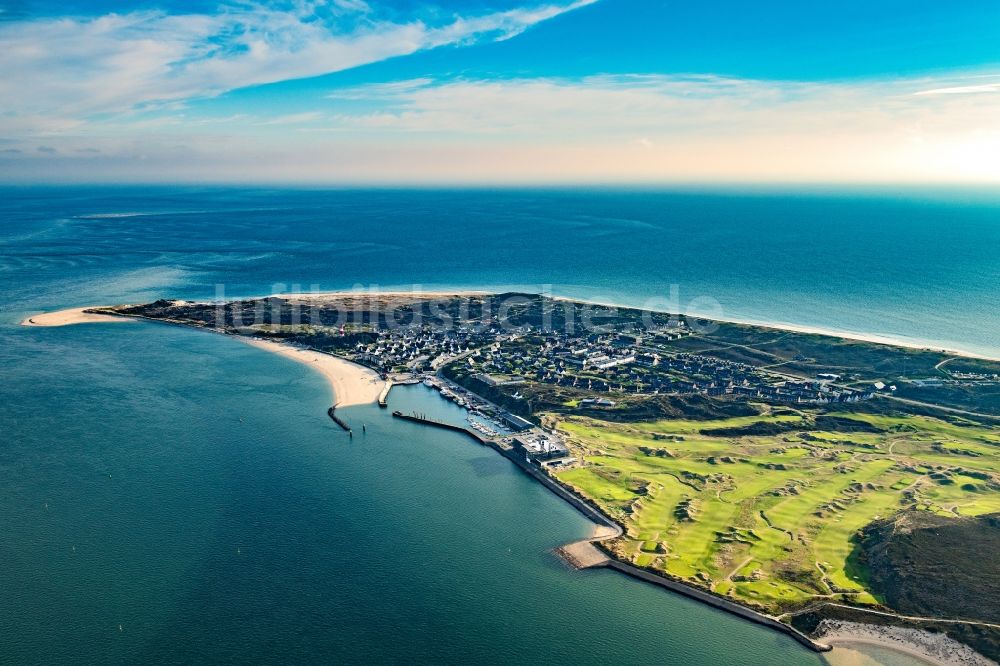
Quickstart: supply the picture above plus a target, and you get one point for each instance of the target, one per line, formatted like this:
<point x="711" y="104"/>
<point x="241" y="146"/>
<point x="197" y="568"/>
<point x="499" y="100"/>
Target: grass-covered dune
<point x="766" y="509"/>
<point x="925" y="564"/>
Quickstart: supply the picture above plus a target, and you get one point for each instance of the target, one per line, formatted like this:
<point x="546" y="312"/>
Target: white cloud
<point x="660" y="109"/>
<point x="963" y="90"/>
<point x="650" y="128"/>
<point x="81" y="67"/>
<point x="294" y="118"/>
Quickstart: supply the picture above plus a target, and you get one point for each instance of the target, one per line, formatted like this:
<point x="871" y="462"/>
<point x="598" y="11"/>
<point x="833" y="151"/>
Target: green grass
<point x="817" y="489"/>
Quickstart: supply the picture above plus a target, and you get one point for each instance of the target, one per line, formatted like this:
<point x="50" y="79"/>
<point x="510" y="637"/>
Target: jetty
<point x="383" y="396"/>
<point x="331" y="412"/>
<point x="441" y="424"/>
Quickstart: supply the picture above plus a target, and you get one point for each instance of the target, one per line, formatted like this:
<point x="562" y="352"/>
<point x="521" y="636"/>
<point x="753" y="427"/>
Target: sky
<point x="499" y="92"/>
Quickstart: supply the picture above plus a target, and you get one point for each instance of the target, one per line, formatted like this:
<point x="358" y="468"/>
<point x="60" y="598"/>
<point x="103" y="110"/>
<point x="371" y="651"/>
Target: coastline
<point x="585" y="553"/>
<point x="431" y="293"/>
<point x="72" y="316"/>
<point x="873" y="338"/>
<point x="933" y="648"/>
<point x="351" y="384"/>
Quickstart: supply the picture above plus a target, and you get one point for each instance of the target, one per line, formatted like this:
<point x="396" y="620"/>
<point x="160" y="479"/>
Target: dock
<point x="441" y="424"/>
<point x="383" y="397"/>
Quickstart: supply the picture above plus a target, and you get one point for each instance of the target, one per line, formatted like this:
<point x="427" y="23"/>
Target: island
<point x="836" y="489"/>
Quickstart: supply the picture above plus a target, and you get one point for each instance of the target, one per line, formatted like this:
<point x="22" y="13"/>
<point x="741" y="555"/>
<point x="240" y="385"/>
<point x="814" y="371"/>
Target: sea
<point x="171" y="496"/>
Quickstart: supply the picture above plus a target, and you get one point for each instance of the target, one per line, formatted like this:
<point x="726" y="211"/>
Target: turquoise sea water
<point x="172" y="496"/>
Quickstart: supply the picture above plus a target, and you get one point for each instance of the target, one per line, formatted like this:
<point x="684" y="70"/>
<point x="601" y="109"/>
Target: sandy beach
<point x="72" y="316"/>
<point x="930" y="647"/>
<point x="419" y="294"/>
<point x="813" y="330"/>
<point x="777" y="326"/>
<point x="352" y="384"/>
<point x="866" y="337"/>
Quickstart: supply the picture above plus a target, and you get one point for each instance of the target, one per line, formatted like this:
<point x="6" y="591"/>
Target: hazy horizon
<point x="515" y="92"/>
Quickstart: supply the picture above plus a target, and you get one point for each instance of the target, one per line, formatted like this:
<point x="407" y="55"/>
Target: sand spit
<point x="73" y="316"/>
<point x="352" y="384"/>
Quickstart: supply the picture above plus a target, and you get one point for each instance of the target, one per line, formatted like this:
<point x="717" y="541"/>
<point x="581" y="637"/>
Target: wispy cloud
<point x="963" y="90"/>
<point x="661" y="110"/>
<point x="293" y="118"/>
<point x="80" y="67"/>
<point x="627" y="128"/>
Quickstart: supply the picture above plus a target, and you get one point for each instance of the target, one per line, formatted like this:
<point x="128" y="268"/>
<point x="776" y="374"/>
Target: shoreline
<point x="72" y="316"/>
<point x="933" y="648"/>
<point x="873" y="338"/>
<point x="354" y="384"/>
<point x="350" y="383"/>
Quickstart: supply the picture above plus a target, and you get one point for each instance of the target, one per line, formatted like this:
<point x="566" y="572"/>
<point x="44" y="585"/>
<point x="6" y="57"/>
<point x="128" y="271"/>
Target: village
<point x="605" y="367"/>
<point x="606" y="364"/>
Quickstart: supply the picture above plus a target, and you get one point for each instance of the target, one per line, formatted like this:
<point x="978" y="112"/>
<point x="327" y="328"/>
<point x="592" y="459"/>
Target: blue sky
<point x="609" y="91"/>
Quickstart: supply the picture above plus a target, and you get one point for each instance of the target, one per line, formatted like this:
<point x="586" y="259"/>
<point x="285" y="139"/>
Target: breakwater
<point x="439" y="424"/>
<point x="331" y="412"/>
<point x="714" y="601"/>
<point x="383" y="396"/>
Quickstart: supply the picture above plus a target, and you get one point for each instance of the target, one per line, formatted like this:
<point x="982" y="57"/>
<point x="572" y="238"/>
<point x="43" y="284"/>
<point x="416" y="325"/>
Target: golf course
<point x="765" y="509"/>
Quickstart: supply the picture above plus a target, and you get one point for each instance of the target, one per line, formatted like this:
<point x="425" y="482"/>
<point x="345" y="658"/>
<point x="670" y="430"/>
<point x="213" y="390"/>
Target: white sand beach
<point x="931" y="647"/>
<point x="867" y="337"/>
<point x="320" y="295"/>
<point x="777" y="326"/>
<point x="780" y="327"/>
<point x="352" y="384"/>
<point x="73" y="316"/>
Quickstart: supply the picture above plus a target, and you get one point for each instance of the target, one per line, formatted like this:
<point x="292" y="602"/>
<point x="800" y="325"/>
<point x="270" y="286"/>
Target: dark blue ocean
<point x="171" y="496"/>
<point x="919" y="267"/>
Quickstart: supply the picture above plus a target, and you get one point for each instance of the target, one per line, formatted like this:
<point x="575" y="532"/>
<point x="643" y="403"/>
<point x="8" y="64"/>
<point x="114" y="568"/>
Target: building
<point x="515" y="422"/>
<point x="538" y="447"/>
<point x="597" y="402"/>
